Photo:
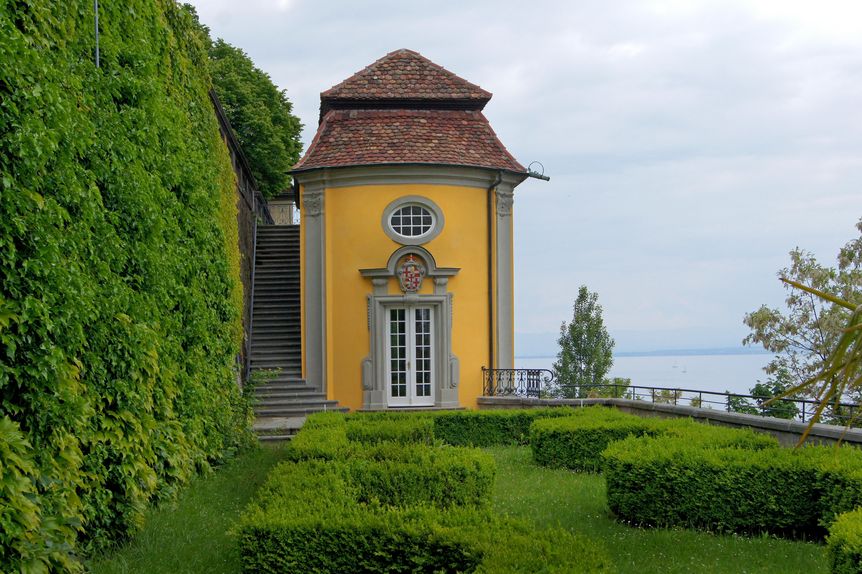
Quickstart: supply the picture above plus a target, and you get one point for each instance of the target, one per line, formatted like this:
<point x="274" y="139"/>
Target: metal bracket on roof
<point x="537" y="174"/>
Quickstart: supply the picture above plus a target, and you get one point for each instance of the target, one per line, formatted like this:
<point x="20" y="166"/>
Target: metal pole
<point x="96" y="10"/>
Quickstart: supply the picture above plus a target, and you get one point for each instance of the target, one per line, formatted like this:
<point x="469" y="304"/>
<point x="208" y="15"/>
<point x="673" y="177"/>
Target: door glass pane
<point x="398" y="353"/>
<point x="422" y="340"/>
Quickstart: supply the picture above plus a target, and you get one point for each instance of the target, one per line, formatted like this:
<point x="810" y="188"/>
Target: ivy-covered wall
<point x="119" y="301"/>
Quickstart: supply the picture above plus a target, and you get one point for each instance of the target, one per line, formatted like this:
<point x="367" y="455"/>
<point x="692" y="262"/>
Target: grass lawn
<point x="577" y="502"/>
<point x="190" y="535"/>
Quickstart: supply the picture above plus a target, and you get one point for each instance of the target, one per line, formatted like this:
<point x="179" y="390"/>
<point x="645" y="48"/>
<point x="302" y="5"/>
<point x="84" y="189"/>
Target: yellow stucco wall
<point x="355" y="240"/>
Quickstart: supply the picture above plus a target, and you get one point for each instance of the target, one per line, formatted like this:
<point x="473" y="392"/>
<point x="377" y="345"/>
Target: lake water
<point x="734" y="373"/>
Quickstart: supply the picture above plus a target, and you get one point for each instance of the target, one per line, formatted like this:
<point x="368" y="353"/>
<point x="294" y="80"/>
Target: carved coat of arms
<point x="411" y="274"/>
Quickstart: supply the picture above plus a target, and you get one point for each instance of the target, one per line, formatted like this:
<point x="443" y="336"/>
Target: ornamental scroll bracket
<point x="505" y="199"/>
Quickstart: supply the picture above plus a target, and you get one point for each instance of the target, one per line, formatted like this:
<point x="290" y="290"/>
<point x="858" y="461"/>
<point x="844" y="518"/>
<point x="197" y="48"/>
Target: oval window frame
<point x="437" y="222"/>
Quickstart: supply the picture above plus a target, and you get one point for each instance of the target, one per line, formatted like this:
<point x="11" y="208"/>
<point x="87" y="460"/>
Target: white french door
<point x="410" y="355"/>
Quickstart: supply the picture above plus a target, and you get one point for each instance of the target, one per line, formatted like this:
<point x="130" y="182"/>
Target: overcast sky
<point x="690" y="144"/>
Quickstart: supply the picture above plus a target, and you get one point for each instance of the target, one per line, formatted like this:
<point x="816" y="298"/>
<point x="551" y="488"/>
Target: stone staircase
<point x="275" y="340"/>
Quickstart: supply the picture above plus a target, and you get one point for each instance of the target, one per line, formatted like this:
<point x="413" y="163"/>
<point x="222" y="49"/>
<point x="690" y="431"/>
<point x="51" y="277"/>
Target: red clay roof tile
<point x="406" y="75"/>
<point x="369" y="137"/>
<point x="401" y="109"/>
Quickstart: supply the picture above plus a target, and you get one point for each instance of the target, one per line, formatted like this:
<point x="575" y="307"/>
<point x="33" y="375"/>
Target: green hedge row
<point x="322" y="516"/>
<point x="844" y="544"/>
<point x="730" y="487"/>
<point x="490" y="428"/>
<point x="394" y="458"/>
<point x="331" y="435"/>
<point x="119" y="270"/>
<point x="406" y="430"/>
<point x="576" y="442"/>
<point x="379" y="493"/>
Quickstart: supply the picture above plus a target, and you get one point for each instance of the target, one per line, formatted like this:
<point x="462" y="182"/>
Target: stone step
<point x="268" y="346"/>
<point x="278" y="310"/>
<point x="276" y="361"/>
<point x="274" y="325"/>
<point x="272" y="228"/>
<point x="276" y="287"/>
<point x="268" y="261"/>
<point x="278" y="357"/>
<point x="275" y="303"/>
<point x="286" y="365"/>
<point x="270" y="337"/>
<point x="285" y="386"/>
<point x="279" y="274"/>
<point x="278" y="245"/>
<point x="268" y="393"/>
<point x="280" y="318"/>
<point x="273" y="350"/>
<point x="277" y="340"/>
<point x="319" y="402"/>
<point x="267" y="285"/>
<point x="298" y="411"/>
<point x="298" y="402"/>
<point x="280" y="259"/>
<point x="286" y="380"/>
<point x="290" y="278"/>
<point x="279" y="291"/>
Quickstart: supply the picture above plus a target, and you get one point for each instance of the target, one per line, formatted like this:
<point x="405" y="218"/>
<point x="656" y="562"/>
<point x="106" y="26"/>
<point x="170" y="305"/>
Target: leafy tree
<point x="586" y="349"/>
<point x="805" y="333"/>
<point x="841" y="372"/>
<point x="615" y="388"/>
<point x="260" y="114"/>
<point x="666" y="396"/>
<point x="765" y="395"/>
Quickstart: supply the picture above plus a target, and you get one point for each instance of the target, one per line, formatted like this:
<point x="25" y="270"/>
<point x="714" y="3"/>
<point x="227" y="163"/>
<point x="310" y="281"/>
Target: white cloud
<point x="690" y="144"/>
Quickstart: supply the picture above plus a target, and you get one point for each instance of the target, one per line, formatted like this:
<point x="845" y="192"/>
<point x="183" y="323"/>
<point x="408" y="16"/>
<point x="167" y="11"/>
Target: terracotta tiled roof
<point x="368" y="137"/>
<point x="405" y="75"/>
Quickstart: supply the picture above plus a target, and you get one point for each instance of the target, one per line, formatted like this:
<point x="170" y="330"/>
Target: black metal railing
<point x="261" y="208"/>
<point x="516" y="382"/>
<point x="542" y="383"/>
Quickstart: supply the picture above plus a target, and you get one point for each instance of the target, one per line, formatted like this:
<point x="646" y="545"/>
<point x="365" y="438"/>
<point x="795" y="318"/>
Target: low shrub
<point x="311" y="517"/>
<point x="323" y="436"/>
<point x="490" y="428"/>
<point x="844" y="544"/>
<point x="403" y="475"/>
<point x="576" y="442"/>
<point x="730" y="482"/>
<point x="331" y="436"/>
<point x="406" y="430"/>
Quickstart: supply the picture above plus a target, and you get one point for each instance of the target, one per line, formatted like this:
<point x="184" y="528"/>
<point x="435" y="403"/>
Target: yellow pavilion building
<point x="406" y="274"/>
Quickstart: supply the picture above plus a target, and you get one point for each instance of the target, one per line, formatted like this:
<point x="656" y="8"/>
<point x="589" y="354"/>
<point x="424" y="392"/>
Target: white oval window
<point x="412" y="220"/>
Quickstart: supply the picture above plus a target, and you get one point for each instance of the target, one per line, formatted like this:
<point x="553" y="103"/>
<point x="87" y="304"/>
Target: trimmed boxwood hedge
<point x="331" y="435"/>
<point x="729" y="486"/>
<point x="844" y="543"/>
<point x="491" y="428"/>
<point x="576" y="442"/>
<point x="319" y="516"/>
<point x="407" y="430"/>
<point x="378" y="493"/>
<point x="119" y="275"/>
<point x="335" y="435"/>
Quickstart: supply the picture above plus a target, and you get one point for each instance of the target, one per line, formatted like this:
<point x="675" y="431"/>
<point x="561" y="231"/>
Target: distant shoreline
<point x="673" y="353"/>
